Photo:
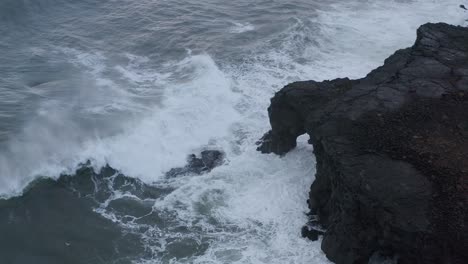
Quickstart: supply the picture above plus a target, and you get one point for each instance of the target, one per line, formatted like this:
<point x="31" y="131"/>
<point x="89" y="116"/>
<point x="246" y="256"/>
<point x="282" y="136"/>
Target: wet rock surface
<point x="392" y="153"/>
<point x="205" y="162"/>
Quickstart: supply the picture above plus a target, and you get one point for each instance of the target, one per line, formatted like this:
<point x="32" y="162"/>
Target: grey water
<point x="99" y="98"/>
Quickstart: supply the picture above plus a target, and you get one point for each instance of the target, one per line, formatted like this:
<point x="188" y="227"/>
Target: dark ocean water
<point x="98" y="99"/>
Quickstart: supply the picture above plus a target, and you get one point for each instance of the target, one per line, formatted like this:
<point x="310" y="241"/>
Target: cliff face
<point x="392" y="152"/>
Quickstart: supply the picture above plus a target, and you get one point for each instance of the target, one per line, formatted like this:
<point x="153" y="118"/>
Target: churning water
<point x="138" y="85"/>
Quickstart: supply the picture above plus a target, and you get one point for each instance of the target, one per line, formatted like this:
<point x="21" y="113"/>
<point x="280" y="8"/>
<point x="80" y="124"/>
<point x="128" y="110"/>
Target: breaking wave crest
<point x="143" y="117"/>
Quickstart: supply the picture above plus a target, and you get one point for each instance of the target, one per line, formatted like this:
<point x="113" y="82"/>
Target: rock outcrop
<point x="208" y="160"/>
<point x="391" y="150"/>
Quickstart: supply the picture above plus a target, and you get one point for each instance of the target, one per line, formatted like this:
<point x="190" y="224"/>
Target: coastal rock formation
<point x="208" y="160"/>
<point x="392" y="153"/>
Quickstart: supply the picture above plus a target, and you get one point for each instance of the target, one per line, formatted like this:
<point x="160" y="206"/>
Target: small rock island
<point x="391" y="150"/>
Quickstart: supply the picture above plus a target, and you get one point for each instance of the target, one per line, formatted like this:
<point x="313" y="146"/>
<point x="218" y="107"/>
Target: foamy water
<point x="250" y="209"/>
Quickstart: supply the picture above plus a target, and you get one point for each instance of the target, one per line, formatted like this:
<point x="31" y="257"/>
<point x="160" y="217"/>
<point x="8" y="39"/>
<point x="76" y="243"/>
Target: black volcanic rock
<point x="208" y="160"/>
<point x="392" y="152"/>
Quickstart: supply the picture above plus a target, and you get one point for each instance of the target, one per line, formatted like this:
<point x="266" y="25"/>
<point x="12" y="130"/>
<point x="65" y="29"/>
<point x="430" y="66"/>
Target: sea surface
<point x="100" y="98"/>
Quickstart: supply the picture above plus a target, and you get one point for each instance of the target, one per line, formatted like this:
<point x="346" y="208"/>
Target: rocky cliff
<point x="392" y="153"/>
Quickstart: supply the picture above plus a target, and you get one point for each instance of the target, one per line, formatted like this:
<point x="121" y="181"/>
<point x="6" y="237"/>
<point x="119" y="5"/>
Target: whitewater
<point x="139" y="85"/>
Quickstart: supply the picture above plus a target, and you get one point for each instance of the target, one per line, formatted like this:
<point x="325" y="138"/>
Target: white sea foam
<point x="241" y="27"/>
<point x="264" y="195"/>
<point x="197" y="110"/>
<point x="260" y="199"/>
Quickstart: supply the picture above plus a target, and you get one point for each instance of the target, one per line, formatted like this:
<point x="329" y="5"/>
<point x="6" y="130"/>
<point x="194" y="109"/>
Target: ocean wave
<point x="250" y="209"/>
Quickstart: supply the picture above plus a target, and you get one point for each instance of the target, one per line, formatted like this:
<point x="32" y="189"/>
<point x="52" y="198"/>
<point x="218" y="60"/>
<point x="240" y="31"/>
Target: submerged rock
<point x="208" y="160"/>
<point x="392" y="152"/>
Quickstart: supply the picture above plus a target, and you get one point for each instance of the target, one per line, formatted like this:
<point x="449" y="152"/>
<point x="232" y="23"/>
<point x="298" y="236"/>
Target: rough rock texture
<point x="392" y="152"/>
<point x="208" y="160"/>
